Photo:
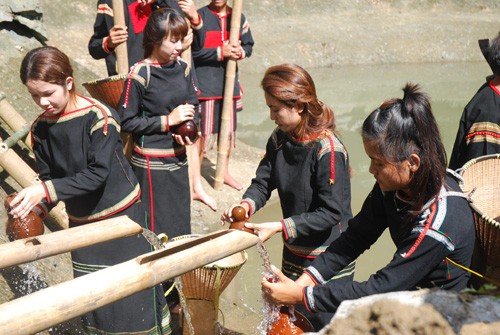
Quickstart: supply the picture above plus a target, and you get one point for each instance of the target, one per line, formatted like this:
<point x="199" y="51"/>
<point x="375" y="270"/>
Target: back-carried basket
<point x="108" y="90"/>
<point x="482" y="176"/>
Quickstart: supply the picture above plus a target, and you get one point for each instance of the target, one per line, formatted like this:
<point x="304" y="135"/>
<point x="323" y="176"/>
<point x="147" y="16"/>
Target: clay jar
<point x="239" y="213"/>
<point x="188" y="129"/>
<point x="17" y="229"/>
<point x="285" y="326"/>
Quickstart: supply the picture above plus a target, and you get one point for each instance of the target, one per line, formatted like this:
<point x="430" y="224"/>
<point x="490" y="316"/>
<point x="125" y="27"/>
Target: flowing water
<point x="353" y="92"/>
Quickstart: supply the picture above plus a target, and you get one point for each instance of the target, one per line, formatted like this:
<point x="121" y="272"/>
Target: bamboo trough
<point x="43" y="309"/>
<point x="34" y="248"/>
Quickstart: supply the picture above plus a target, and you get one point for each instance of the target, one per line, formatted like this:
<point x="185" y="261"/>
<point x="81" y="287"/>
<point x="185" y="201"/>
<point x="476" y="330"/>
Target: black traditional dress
<point x="80" y="160"/>
<point x="443" y="231"/>
<point x="210" y="65"/>
<point x="314" y="188"/>
<point x="152" y="91"/>
<point x="479" y="129"/>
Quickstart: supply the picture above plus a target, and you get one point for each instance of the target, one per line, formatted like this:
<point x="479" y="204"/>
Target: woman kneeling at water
<point x="428" y="218"/>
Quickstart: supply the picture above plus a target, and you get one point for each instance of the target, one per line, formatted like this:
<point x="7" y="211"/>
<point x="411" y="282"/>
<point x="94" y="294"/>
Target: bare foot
<point x="230" y="181"/>
<point x="206" y="199"/>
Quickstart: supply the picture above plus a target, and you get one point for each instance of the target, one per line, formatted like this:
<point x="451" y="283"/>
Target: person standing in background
<point x="107" y="36"/>
<point x="479" y="128"/>
<point x="211" y="50"/>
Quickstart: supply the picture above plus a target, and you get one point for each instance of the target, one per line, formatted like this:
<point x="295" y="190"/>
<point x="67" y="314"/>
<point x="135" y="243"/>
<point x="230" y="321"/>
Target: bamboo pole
<point x="12" y="118"/>
<point x="34" y="248"/>
<point x="120" y="50"/>
<point x="227" y="104"/>
<point x="24" y="175"/>
<point x="62" y="302"/>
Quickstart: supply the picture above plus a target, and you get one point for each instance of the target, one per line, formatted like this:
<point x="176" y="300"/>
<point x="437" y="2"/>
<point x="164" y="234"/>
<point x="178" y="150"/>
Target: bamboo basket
<point x="483" y="175"/>
<point x="202" y="283"/>
<point x="108" y="90"/>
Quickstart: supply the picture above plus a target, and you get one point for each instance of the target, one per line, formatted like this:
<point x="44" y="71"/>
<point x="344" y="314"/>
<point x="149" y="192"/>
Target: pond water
<point x="353" y="92"/>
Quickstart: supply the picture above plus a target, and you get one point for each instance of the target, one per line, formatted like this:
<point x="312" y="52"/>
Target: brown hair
<point x="162" y="23"/>
<point x="294" y="87"/>
<point x="47" y="64"/>
<point x="401" y="127"/>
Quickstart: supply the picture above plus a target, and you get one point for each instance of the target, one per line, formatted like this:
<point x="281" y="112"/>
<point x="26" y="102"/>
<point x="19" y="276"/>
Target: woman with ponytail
<point x="429" y="219"/>
<point x="309" y="167"/>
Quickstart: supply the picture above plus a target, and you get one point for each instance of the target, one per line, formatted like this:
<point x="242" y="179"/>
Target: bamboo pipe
<point x="33" y="248"/>
<point x="121" y="49"/>
<point x="12" y="118"/>
<point x="62" y="302"/>
<point x="227" y="103"/>
<point x="24" y="175"/>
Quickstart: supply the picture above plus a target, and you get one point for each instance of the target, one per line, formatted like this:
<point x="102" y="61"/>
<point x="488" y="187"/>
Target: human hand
<point x="189" y="9"/>
<point x="143" y="3"/>
<point x="25" y="200"/>
<point x="181" y="114"/>
<point x="280" y="289"/>
<point x="265" y="230"/>
<point x="117" y="35"/>
<point x="187" y="40"/>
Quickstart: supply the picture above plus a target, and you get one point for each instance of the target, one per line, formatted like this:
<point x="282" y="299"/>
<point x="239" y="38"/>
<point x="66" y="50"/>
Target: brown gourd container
<point x="239" y="216"/>
<point x="17" y="229"/>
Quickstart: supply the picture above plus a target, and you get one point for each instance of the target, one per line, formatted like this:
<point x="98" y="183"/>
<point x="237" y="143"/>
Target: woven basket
<point x="202" y="283"/>
<point x="483" y="174"/>
<point x="108" y="90"/>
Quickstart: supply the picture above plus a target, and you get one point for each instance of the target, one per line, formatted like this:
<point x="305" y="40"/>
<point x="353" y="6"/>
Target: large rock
<point x="423" y="312"/>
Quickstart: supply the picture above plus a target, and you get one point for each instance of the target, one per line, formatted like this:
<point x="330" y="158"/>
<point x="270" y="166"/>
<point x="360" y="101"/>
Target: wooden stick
<point x="33" y="248"/>
<point x="24" y="175"/>
<point x="227" y="104"/>
<point x="120" y="50"/>
<point x="12" y="118"/>
<point x="62" y="302"/>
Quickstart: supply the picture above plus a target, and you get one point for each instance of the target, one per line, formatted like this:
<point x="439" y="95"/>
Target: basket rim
<point x="116" y="77"/>
<point x="473" y="161"/>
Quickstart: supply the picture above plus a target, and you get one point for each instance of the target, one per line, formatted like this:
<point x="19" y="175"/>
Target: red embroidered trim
<point x="151" y="205"/>
<point x="422" y="234"/>
<point x="494" y="88"/>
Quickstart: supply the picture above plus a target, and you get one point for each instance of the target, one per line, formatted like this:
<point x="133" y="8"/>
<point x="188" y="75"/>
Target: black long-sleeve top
<point x="152" y="91"/>
<point x="444" y="229"/>
<point x="479" y="128"/>
<point x="313" y="184"/>
<point x="80" y="160"/>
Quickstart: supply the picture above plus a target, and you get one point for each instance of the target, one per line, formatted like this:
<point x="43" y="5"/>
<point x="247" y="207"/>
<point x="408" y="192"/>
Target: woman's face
<point x="286" y="118"/>
<point x="389" y="176"/>
<point x="52" y="98"/>
<point x="169" y="50"/>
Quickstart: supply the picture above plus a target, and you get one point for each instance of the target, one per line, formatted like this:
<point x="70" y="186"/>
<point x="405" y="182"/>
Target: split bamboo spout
<point x="56" y="304"/>
<point x="33" y="248"/>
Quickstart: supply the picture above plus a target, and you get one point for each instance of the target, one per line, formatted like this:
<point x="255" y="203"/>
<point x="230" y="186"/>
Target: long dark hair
<point x="162" y="23"/>
<point x="293" y="86"/>
<point x="47" y="64"/>
<point x="401" y="127"/>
